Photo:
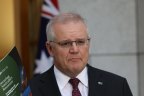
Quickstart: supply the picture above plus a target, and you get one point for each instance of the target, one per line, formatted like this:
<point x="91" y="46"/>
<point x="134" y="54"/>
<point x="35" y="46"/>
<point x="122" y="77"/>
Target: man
<point x="68" y="43"/>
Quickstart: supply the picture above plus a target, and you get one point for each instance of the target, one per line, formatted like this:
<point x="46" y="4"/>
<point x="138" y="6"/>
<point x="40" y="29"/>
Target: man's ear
<point x="49" y="48"/>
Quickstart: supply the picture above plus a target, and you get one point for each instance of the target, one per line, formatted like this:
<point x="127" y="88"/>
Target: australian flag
<point x="43" y="60"/>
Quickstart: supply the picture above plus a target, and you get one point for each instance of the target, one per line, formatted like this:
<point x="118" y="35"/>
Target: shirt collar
<point x="83" y="77"/>
<point x="63" y="79"/>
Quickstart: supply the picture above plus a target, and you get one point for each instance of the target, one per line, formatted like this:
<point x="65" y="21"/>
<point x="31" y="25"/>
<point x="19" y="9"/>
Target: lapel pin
<point x="100" y="83"/>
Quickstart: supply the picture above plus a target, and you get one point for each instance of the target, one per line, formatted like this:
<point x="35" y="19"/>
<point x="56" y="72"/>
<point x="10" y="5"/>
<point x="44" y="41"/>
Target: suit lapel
<point x="95" y="82"/>
<point x="49" y="85"/>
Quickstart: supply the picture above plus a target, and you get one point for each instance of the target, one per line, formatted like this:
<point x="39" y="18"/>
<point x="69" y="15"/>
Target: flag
<point x="43" y="60"/>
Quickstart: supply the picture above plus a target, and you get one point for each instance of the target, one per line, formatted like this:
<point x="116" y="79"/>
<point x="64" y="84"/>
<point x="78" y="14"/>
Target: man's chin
<point x="76" y="67"/>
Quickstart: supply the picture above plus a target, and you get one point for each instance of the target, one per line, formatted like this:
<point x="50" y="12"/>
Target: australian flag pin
<point x="100" y="83"/>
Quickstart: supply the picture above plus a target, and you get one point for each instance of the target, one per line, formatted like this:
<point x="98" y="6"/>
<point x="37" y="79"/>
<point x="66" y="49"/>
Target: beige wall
<point x="7" y="33"/>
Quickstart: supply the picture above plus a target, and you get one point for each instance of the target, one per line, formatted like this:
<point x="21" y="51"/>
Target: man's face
<point x="70" y="60"/>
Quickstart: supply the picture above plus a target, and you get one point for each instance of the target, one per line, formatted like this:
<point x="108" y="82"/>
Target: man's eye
<point x="65" y="43"/>
<point x="80" y="42"/>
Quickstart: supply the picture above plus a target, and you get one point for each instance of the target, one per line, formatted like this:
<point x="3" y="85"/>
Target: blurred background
<point x="116" y="28"/>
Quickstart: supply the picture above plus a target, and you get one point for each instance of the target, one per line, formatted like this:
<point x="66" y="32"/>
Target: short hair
<point x="62" y="18"/>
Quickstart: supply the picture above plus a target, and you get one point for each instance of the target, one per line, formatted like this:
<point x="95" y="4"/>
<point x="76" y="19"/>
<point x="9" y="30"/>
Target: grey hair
<point x="62" y="18"/>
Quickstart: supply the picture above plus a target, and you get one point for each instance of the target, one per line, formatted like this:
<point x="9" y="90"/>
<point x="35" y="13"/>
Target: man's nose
<point x="74" y="48"/>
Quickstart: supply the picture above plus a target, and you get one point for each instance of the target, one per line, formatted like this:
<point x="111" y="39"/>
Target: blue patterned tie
<point x="74" y="82"/>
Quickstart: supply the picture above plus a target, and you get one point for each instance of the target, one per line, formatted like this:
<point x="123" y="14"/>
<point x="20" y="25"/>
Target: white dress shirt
<point x="66" y="88"/>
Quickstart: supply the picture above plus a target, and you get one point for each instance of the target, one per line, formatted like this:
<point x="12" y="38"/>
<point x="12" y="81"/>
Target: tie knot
<point x="74" y="82"/>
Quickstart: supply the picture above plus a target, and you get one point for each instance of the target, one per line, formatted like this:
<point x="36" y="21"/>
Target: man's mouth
<point x="74" y="59"/>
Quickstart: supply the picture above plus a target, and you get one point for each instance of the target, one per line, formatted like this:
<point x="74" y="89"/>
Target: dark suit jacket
<point x="101" y="83"/>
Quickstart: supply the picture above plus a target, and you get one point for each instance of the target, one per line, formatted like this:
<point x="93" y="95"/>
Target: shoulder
<point x="41" y="78"/>
<point x="112" y="83"/>
<point x="99" y="73"/>
<point x="111" y="80"/>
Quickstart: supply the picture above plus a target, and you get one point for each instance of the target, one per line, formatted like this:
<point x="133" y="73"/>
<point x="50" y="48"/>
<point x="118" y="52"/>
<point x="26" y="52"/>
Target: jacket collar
<point x="95" y="81"/>
<point x="49" y="86"/>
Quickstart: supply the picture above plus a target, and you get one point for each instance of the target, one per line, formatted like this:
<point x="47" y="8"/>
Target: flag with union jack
<point x="43" y="60"/>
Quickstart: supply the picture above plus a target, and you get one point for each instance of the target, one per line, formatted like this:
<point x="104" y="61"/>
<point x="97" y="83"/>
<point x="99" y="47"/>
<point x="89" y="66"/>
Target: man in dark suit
<point x="68" y="43"/>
